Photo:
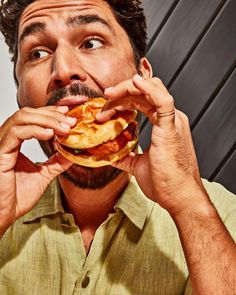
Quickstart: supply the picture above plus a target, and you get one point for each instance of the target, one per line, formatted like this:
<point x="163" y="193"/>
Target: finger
<point x="157" y="95"/>
<point x="52" y="108"/>
<point x="52" y="119"/>
<point x="129" y="103"/>
<point x="52" y="111"/>
<point x="124" y="88"/>
<point x="30" y="115"/>
<point x="17" y="134"/>
<point x="54" y="166"/>
<point x="128" y="163"/>
<point x="105" y="115"/>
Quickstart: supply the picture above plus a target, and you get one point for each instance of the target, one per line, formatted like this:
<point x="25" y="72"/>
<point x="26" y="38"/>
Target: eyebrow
<point x="32" y="29"/>
<point x="77" y="20"/>
<point x="88" y="19"/>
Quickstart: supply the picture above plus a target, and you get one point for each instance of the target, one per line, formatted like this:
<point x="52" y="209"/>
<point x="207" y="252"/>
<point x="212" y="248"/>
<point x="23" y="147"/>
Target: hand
<point x="168" y="171"/>
<point x="22" y="182"/>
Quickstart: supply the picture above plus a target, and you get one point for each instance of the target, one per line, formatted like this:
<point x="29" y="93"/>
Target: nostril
<point x="64" y="81"/>
<point x="75" y="77"/>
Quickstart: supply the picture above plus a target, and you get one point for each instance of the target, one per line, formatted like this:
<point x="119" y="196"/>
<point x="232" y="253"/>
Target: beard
<point x="82" y="177"/>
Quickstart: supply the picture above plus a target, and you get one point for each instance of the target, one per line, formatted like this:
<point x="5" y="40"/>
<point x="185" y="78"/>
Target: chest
<point x="87" y="236"/>
<point x="122" y="260"/>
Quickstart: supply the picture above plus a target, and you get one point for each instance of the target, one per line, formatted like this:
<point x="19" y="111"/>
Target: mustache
<point x="72" y="90"/>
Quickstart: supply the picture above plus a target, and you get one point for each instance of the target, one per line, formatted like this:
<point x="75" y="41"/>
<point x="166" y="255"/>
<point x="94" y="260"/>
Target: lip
<point x="71" y="101"/>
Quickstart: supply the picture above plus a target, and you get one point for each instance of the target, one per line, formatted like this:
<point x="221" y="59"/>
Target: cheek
<point x="32" y="89"/>
<point x="108" y="72"/>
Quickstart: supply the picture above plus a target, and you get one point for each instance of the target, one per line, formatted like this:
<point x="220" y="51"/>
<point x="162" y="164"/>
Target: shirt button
<point x="85" y="282"/>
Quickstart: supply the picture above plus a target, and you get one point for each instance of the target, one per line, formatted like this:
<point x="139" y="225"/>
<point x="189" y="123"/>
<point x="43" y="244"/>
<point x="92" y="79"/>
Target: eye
<point x="38" y="54"/>
<point x="92" y="43"/>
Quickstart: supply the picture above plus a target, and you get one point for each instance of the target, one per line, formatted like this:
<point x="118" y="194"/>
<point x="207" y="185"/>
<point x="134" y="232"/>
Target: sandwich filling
<point x="109" y="147"/>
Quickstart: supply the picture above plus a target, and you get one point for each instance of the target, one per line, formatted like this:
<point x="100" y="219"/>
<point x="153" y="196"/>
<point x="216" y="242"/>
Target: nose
<point x="65" y="68"/>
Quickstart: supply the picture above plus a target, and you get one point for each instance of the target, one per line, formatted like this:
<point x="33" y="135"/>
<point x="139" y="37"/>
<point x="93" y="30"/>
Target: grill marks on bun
<point x="111" y="146"/>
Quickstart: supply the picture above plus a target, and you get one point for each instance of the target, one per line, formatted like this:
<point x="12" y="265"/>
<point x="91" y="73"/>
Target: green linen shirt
<point x="135" y="251"/>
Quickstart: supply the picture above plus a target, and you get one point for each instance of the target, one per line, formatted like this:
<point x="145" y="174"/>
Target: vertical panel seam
<point x="214" y="95"/>
<point x="223" y="162"/>
<point x="162" y="24"/>
<point x="197" y="43"/>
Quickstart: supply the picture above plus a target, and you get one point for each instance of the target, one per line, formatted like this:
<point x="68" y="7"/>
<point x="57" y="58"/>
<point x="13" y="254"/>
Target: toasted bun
<point x="88" y="133"/>
<point x="94" y="161"/>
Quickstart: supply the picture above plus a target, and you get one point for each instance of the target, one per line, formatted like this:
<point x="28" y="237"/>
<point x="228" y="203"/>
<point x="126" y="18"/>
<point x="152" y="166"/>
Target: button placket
<point x="86" y="280"/>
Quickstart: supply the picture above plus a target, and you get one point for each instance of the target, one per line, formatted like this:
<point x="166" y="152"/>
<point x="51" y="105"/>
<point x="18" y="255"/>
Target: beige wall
<point x="8" y="103"/>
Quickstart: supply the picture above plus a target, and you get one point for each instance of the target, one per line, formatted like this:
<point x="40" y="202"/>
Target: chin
<point x="91" y="178"/>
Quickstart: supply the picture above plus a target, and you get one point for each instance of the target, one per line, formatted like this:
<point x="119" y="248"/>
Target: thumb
<point x="128" y="163"/>
<point x="55" y="166"/>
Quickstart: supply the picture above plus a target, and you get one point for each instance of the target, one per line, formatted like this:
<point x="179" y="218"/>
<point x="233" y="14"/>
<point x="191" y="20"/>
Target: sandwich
<point x="94" y="144"/>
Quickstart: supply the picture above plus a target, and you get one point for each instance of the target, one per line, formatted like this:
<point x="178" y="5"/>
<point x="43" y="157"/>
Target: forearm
<point x="209" y="249"/>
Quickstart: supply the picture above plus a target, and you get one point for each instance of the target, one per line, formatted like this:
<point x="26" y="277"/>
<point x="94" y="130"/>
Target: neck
<point x="91" y="207"/>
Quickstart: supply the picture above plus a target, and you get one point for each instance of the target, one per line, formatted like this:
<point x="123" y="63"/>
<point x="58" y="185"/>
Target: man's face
<point x="63" y="43"/>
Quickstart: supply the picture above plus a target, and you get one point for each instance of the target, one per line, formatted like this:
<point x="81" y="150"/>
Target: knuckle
<point x="13" y="130"/>
<point x="25" y="109"/>
<point x="156" y="80"/>
<point x="183" y="117"/>
<point x="169" y="102"/>
<point x="18" y="115"/>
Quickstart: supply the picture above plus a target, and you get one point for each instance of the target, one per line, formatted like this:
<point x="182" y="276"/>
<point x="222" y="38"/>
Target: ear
<point x="145" y="68"/>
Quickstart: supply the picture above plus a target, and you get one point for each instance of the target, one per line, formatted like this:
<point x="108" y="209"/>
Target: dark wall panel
<point x="145" y="136"/>
<point x="227" y="175"/>
<point x="156" y="13"/>
<point x="179" y="36"/>
<point x="209" y="65"/>
<point x="215" y="135"/>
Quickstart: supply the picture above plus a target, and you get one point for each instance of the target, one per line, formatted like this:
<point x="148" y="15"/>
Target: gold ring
<point x="166" y="114"/>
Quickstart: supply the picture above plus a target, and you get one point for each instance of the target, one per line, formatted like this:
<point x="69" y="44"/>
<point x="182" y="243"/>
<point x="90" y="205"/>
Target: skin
<point x="167" y="173"/>
<point x="55" y="70"/>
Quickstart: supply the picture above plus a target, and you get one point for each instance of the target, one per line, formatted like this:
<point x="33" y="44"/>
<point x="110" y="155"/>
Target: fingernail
<point x="104" y="115"/>
<point x="109" y="89"/>
<point x="99" y="115"/>
<point x="65" y="126"/>
<point x="71" y="120"/>
<point x="62" y="109"/>
<point x="48" y="130"/>
<point x="138" y="77"/>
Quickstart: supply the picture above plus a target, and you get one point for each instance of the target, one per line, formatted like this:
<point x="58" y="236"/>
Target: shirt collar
<point x="132" y="202"/>
<point x="49" y="204"/>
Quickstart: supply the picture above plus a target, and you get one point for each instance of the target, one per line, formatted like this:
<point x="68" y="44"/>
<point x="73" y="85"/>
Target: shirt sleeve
<point x="225" y="203"/>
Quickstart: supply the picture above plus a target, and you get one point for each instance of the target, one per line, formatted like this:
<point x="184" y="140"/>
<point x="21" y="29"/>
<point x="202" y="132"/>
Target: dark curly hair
<point x="128" y="13"/>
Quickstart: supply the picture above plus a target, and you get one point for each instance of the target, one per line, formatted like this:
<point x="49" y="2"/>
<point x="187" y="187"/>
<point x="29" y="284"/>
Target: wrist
<point x="192" y="200"/>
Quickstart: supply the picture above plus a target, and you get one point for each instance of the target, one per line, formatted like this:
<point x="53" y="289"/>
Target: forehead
<point x="55" y="8"/>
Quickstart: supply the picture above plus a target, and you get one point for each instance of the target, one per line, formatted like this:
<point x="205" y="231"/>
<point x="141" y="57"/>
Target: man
<point x="95" y="231"/>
